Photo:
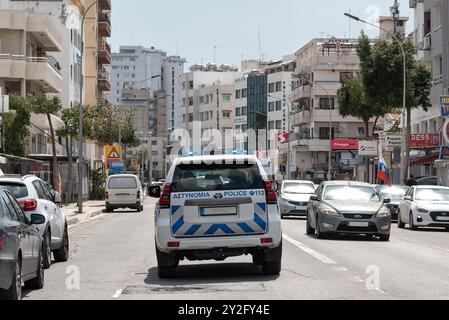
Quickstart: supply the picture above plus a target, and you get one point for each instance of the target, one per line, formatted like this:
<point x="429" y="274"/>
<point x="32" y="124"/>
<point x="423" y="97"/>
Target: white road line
<point x="308" y="250"/>
<point x="340" y="269"/>
<point x="117" y="294"/>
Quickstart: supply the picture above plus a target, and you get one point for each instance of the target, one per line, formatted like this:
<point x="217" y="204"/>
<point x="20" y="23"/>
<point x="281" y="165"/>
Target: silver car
<point x="294" y="197"/>
<point x="348" y="208"/>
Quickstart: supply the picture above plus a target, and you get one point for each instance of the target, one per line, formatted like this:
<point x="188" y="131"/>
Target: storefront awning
<point x="425" y="161"/>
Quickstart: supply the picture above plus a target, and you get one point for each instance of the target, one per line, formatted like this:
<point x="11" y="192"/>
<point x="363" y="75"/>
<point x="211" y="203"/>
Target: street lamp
<point x="81" y="116"/>
<point x="405" y="159"/>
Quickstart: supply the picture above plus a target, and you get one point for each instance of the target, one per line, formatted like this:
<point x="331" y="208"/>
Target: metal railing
<point x="52" y="62"/>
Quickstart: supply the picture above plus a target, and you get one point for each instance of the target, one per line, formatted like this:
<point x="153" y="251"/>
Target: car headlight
<point x="422" y="210"/>
<point x="328" y="211"/>
<point x="383" y="213"/>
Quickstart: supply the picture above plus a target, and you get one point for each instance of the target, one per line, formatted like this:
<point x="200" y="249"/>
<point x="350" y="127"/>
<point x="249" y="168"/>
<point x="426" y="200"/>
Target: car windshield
<point x="192" y="178"/>
<point x="351" y="193"/>
<point x="432" y="195"/>
<point x="18" y="190"/>
<point x="394" y="192"/>
<point x="122" y="183"/>
<point x="298" y="188"/>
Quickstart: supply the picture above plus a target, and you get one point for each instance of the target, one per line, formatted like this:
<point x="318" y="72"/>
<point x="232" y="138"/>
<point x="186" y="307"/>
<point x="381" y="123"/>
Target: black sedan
<point x="21" y="258"/>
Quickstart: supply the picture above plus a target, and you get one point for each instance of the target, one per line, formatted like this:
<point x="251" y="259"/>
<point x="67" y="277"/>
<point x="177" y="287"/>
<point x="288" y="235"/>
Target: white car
<point x="294" y="197"/>
<point x="36" y="197"/>
<point x="124" y="191"/>
<point x="425" y="206"/>
<point x="215" y="207"/>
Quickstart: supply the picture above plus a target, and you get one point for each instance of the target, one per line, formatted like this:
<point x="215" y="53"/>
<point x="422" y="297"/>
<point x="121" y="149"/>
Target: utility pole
<point x="395" y="13"/>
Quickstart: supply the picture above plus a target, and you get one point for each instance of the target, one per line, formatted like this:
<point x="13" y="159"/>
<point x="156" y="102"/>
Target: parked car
<point x="345" y="207"/>
<point x="294" y="197"/>
<point x="124" y="191"/>
<point x="36" y="197"/>
<point x="425" y="206"/>
<point x="21" y="249"/>
<point x="396" y="193"/>
<point x="427" y="181"/>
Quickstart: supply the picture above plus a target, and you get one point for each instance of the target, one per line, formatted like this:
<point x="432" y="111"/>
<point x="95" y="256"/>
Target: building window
<point x="271" y="125"/>
<point x="244" y="93"/>
<point x="327" y="104"/>
<point x="345" y="75"/>
<point x="278" y="105"/>
<point x="324" y="133"/>
<point x="271" y="106"/>
<point x="244" y="111"/>
<point x="271" y="87"/>
<point x="278" y="86"/>
<point x="238" y="94"/>
<point x="238" y="112"/>
<point x="226" y="98"/>
<point x="278" y="125"/>
<point x="202" y="100"/>
<point x="226" y="114"/>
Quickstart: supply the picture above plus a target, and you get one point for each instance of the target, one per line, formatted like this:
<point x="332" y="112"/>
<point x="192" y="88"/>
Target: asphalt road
<point x="113" y="257"/>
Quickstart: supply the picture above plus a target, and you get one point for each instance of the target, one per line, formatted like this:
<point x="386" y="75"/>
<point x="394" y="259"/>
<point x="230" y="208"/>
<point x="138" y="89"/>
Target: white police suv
<point x="215" y="207"/>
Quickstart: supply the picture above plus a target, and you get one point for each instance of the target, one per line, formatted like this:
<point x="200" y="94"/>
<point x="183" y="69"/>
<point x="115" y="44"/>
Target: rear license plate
<point x="443" y="218"/>
<point x="359" y="224"/>
<point x="218" y="211"/>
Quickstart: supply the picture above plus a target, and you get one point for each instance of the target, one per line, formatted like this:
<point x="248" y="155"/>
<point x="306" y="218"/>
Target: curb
<point x="95" y="214"/>
<point x="72" y="222"/>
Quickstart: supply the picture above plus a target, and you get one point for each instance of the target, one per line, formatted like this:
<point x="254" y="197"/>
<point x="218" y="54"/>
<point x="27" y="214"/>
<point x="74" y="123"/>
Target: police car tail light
<point x="266" y="241"/>
<point x="106" y="195"/>
<point x="271" y="194"/>
<point x="164" y="200"/>
<point x="174" y="244"/>
<point x="138" y="194"/>
<point x="2" y="242"/>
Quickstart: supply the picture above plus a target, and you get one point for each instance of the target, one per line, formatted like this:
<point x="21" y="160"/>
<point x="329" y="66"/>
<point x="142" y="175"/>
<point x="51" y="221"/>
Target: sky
<point x="193" y="28"/>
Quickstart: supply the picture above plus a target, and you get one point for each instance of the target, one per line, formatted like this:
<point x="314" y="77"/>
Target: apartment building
<point x="97" y="51"/>
<point x="431" y="37"/>
<point x="149" y="68"/>
<point x="208" y="98"/>
<point x="147" y="111"/>
<point x="321" y="66"/>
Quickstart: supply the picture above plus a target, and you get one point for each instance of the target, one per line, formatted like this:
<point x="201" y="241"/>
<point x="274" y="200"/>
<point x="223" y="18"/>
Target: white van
<point x="216" y="207"/>
<point x="124" y="191"/>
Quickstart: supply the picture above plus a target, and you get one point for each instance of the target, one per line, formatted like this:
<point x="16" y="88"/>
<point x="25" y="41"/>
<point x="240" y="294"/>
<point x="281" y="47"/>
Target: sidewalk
<point x="90" y="209"/>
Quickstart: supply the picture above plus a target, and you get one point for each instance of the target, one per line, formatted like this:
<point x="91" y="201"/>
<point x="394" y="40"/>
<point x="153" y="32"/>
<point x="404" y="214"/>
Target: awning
<point x="425" y="161"/>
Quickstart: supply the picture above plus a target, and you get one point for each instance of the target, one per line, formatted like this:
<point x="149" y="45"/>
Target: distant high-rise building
<point x="137" y="67"/>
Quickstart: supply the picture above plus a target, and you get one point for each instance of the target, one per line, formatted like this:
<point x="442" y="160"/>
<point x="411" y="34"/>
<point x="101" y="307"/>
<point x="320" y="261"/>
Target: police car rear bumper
<point x="164" y="237"/>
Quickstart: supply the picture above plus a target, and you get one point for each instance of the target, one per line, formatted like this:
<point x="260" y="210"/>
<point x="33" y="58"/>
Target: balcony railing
<point x="49" y="60"/>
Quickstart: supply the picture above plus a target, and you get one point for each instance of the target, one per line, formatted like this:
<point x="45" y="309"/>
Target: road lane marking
<point x="309" y="251"/>
<point x="340" y="269"/>
<point x="117" y="294"/>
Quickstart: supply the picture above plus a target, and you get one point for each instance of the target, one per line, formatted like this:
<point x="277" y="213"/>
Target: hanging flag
<point x="384" y="173"/>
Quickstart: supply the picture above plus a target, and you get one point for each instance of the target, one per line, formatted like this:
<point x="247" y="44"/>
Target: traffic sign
<point x="113" y="153"/>
<point x="444" y="101"/>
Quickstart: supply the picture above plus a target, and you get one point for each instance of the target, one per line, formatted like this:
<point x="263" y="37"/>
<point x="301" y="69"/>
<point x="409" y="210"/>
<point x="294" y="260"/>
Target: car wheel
<point x="38" y="282"/>
<point x="139" y="208"/>
<point x="46" y="249"/>
<point x="15" y="291"/>
<point x="62" y="254"/>
<point x="412" y="223"/>
<point x="384" y="237"/>
<point x="257" y="259"/>
<point x="401" y="225"/>
<point x="166" y="265"/>
<point x="272" y="268"/>
<point x="318" y="232"/>
<point x="109" y="209"/>
<point x="309" y="230"/>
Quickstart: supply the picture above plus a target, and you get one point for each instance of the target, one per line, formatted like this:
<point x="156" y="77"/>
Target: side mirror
<point x="154" y="192"/>
<point x="314" y="197"/>
<point x="387" y="201"/>
<point x="57" y="197"/>
<point x="37" y="219"/>
<point x="408" y="198"/>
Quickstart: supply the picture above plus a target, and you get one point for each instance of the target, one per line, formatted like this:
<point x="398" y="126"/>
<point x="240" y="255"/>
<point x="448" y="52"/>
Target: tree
<point x="17" y="125"/>
<point x="355" y="102"/>
<point x="43" y="104"/>
<point x="382" y="71"/>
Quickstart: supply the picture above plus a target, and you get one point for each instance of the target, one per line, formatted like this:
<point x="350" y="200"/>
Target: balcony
<point x="43" y="27"/>
<point x="104" y="25"/>
<point x="104" y="84"/>
<point x="302" y="117"/>
<point x="42" y="70"/>
<point x="104" y="5"/>
<point x="302" y="92"/>
<point x="45" y="72"/>
<point x="104" y="53"/>
<point x="324" y="88"/>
